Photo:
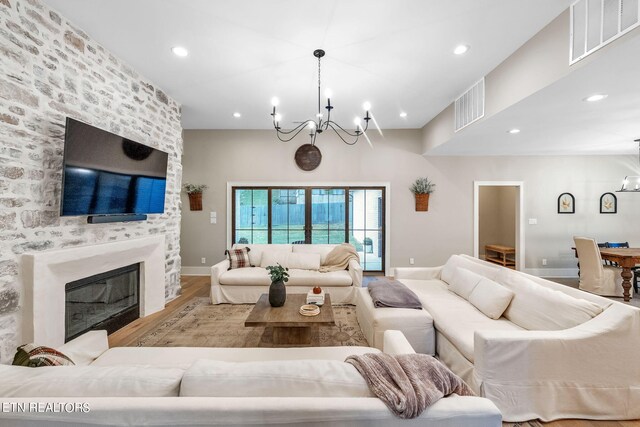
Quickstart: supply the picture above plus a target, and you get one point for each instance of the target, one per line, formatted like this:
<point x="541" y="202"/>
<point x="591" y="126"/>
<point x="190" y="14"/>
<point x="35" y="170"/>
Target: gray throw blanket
<point x="408" y="383"/>
<point x="391" y="293"/>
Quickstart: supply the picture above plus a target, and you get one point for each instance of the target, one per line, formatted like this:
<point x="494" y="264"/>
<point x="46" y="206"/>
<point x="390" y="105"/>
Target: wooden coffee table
<point x="290" y="328"/>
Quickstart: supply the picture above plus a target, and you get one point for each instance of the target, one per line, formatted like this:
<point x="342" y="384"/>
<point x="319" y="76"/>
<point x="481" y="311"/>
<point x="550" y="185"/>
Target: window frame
<point x="232" y="188"/>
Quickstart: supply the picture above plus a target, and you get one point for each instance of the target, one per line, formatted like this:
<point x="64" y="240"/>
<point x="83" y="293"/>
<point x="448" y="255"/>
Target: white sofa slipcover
<point x="222" y="411"/>
<point x="245" y="285"/>
<point x="557" y="352"/>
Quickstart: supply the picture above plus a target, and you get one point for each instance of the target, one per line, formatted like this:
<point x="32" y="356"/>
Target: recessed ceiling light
<point x="403" y="114"/>
<point x="179" y="51"/>
<point x="461" y="49"/>
<point x="237" y="115"/>
<point x="596" y="97"/>
<point x="513" y="131"/>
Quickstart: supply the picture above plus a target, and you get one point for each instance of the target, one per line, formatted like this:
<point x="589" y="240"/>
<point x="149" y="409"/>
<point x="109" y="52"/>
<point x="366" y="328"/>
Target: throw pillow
<point x="491" y="298"/>
<point x="34" y="356"/>
<point x="463" y="282"/>
<point x="238" y="258"/>
<point x="275" y="257"/>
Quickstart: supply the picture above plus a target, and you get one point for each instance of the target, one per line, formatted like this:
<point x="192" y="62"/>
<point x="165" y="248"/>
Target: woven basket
<point x="195" y="201"/>
<point x="422" y="202"/>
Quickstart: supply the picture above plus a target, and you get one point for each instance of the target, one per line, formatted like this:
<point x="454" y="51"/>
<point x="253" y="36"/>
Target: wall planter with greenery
<point x="194" y="191"/>
<point x="421" y="189"/>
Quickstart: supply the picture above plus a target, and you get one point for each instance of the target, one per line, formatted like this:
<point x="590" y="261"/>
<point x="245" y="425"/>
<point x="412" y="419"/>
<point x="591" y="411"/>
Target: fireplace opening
<point x="107" y="300"/>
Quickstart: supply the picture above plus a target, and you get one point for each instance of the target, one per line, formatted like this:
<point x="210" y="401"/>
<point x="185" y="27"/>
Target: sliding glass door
<point x="313" y="215"/>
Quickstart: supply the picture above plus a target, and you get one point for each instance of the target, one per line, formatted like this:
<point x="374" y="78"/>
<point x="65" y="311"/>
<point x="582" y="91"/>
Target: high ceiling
<point x="397" y="55"/>
<point x="557" y="120"/>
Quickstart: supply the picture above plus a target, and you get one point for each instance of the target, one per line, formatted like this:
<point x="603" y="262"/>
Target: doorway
<point x="498" y="222"/>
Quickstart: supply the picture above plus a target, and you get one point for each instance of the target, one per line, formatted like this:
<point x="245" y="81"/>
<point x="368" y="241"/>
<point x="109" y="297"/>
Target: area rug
<point x="201" y="324"/>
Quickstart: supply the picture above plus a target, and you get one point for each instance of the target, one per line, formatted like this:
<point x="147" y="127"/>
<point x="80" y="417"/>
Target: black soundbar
<point x="102" y="219"/>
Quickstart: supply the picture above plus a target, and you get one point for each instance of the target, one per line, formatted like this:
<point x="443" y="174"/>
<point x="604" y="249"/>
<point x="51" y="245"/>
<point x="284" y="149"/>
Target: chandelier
<point x="320" y="125"/>
<point x="631" y="184"/>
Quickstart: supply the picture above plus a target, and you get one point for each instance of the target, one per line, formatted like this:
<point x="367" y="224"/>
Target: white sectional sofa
<point x="245" y="285"/>
<point x="163" y="386"/>
<point x="556" y="352"/>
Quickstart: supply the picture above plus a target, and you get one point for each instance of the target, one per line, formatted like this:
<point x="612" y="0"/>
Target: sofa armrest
<point x="217" y="270"/>
<point x="394" y="342"/>
<point x="417" y="273"/>
<point x="86" y="348"/>
<point x="355" y="271"/>
<point x="593" y="357"/>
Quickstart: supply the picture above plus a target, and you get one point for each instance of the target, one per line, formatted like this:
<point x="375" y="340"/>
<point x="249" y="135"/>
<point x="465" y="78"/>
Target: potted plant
<point x="277" y="290"/>
<point x="421" y="189"/>
<point x="194" y="191"/>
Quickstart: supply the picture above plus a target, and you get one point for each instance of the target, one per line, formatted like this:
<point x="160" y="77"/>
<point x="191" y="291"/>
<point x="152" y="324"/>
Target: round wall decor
<point x="308" y="157"/>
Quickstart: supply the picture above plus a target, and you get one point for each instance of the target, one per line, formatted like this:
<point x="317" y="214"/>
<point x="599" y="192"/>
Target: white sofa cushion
<point x="89" y="381"/>
<point x="273" y="258"/>
<point x="258" y="276"/>
<point x="535" y="307"/>
<point x="490" y="298"/>
<point x="322" y="249"/>
<point x="463" y="281"/>
<point x="455" y="261"/>
<point x="255" y="254"/>
<point x="302" y="261"/>
<point x="281" y="378"/>
<point x="86" y="348"/>
<point x="253" y="276"/>
<point x="184" y="357"/>
<point x="315" y="278"/>
<point x="454" y="317"/>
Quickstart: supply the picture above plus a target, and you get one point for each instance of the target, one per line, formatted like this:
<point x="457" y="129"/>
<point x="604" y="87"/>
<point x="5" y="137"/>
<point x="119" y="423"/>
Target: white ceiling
<point x="556" y="120"/>
<point x="395" y="54"/>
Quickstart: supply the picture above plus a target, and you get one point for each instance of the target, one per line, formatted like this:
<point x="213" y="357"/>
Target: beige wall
<point x="216" y="157"/>
<point x="497" y="216"/>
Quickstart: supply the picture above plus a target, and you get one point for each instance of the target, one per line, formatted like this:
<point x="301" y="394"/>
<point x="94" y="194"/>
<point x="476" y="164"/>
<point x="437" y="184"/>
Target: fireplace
<point x="107" y="300"/>
<point x="46" y="274"/>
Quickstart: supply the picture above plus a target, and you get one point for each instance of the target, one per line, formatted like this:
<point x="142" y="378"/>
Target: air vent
<point x="470" y="105"/>
<point x="595" y="23"/>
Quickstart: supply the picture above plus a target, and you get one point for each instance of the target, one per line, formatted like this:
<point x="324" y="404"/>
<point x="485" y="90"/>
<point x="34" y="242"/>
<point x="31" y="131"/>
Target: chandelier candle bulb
<point x="320" y="125"/>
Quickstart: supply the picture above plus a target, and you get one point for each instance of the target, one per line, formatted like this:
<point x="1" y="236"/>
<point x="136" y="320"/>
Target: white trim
<point x="195" y="271"/>
<point x="553" y="272"/>
<point x="602" y="43"/>
<point x="520" y="246"/>
<point x="387" y="208"/>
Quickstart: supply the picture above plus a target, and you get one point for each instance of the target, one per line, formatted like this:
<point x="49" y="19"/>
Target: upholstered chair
<point x="594" y="277"/>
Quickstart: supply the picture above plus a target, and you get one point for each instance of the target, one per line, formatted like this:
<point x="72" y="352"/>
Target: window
<point x="313" y="215"/>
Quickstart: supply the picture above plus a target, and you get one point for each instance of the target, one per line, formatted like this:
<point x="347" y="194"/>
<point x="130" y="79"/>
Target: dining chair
<point x="635" y="270"/>
<point x="594" y="277"/>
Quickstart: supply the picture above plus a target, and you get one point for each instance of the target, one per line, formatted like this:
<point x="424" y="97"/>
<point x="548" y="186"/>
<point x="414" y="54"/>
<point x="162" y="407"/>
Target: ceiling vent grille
<point x="596" y="23"/>
<point x="470" y="106"/>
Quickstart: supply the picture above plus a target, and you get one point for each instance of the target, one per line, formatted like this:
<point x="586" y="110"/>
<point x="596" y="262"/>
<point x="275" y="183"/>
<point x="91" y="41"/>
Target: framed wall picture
<point x="608" y="203"/>
<point x="566" y="204"/>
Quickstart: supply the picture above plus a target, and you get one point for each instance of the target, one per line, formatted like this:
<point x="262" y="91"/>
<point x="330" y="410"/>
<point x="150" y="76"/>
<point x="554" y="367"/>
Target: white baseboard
<point x="195" y="271"/>
<point x="553" y="272"/>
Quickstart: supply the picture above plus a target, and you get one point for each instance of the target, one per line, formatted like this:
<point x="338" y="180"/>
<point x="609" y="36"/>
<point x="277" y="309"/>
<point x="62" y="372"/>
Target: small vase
<point x="277" y="294"/>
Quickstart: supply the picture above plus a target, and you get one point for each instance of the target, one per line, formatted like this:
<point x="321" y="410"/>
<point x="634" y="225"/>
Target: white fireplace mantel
<point x="46" y="273"/>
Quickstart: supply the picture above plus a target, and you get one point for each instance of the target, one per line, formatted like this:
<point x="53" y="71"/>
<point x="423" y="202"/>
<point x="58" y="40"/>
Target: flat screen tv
<point x="106" y="174"/>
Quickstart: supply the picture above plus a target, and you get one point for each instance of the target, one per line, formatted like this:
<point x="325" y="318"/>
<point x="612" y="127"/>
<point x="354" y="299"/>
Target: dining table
<point x="627" y="258"/>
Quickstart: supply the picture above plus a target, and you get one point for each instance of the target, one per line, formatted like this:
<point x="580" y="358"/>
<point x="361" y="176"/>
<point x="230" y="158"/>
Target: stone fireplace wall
<point x="49" y="69"/>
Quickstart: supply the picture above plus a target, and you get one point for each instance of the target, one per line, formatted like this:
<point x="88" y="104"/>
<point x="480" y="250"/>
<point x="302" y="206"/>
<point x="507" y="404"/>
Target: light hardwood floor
<point x="198" y="286"/>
